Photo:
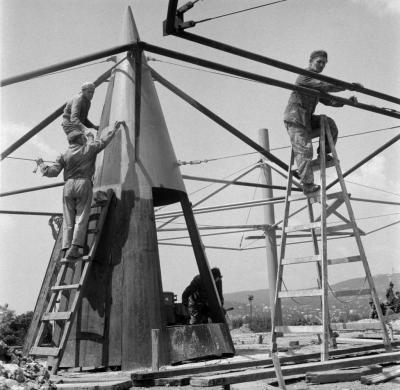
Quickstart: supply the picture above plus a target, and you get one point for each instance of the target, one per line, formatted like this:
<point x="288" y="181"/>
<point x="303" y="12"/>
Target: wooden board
<point x="383" y="377"/>
<point x="342" y="375"/>
<point x="149" y="375"/>
<point x="259" y="374"/>
<point x="112" y="385"/>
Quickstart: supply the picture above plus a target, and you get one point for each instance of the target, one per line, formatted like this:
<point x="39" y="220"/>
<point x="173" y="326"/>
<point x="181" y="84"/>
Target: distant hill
<point x="357" y="305"/>
<point x="261" y="297"/>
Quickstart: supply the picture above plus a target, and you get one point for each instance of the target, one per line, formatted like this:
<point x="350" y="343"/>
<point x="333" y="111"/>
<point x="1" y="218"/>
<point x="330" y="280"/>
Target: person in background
<point x="301" y="123"/>
<point x="78" y="163"/>
<point x="390" y="297"/>
<point x="194" y="298"/>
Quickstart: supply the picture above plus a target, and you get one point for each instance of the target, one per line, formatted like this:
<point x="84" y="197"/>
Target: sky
<point x="363" y="45"/>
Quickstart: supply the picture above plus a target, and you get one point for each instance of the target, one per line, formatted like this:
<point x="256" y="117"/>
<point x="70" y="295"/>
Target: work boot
<point x="74" y="252"/>
<point x="328" y="158"/>
<point x="310" y="188"/>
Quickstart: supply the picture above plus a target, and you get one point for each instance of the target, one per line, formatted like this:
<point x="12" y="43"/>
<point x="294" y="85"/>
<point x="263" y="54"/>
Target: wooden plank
<point x="111" y="385"/>
<point x="305" y="226"/>
<point x="342" y="375"/>
<point x="298" y="260"/>
<point x="374" y="325"/>
<point x="382" y="377"/>
<point x="300" y="329"/>
<point x="259" y="374"/>
<point x="314" y="292"/>
<point x="69" y="261"/>
<point x="66" y="287"/>
<point x="341" y="260"/>
<point x="296" y="197"/>
<point x="44" y="351"/>
<point x="155" y="349"/>
<point x="350" y="293"/>
<point x="57" y="316"/>
<point x="147" y="376"/>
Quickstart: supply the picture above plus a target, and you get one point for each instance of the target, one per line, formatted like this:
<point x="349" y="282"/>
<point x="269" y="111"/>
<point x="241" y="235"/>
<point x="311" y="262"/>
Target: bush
<point x="13" y="328"/>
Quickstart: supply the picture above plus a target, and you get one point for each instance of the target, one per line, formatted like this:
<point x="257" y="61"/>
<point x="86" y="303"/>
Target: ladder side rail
<point x="78" y="294"/>
<point x="385" y="336"/>
<point x="282" y="251"/>
<point x="324" y="254"/>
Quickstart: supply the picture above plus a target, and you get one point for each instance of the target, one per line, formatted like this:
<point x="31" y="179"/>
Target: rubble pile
<point x="18" y="372"/>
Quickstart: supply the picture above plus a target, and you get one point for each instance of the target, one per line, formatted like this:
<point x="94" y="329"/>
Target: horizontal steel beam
<point x="264" y="79"/>
<point x="30" y="189"/>
<point x="282" y="65"/>
<point x="67" y="64"/>
<point x="218" y="120"/>
<point x="41" y="213"/>
<point x="237" y="183"/>
<point x="51" y="118"/>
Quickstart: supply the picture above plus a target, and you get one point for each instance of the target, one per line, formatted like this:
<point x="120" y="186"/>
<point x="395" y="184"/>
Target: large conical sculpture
<point x="123" y="298"/>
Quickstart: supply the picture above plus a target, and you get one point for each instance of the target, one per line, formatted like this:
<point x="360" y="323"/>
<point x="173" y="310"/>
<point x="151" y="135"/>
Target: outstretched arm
<point x="51" y="170"/>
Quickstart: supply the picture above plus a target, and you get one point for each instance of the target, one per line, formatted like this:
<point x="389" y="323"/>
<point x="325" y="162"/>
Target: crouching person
<point x="78" y="163"/>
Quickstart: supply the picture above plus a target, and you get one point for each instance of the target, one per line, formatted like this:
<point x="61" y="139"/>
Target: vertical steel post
<point x="270" y="235"/>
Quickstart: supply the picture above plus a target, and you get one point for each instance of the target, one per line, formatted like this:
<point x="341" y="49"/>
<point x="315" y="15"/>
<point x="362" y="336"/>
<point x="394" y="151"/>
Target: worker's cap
<point x="371" y="300"/>
<point x="216" y="272"/>
<point x="319" y="53"/>
<point x="74" y="135"/>
<point x="391" y="284"/>
<point x="89" y="86"/>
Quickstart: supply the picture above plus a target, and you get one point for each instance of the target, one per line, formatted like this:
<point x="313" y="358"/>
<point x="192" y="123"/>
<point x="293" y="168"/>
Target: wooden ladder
<point x="320" y="256"/>
<point x="64" y="319"/>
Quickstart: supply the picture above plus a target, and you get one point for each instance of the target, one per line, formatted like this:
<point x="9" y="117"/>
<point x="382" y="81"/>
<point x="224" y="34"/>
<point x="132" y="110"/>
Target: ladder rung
<point x="94" y="217"/>
<point x="350" y="293"/>
<point x="333" y="195"/>
<point x="315" y="164"/>
<point x="338" y="228"/>
<point x="297" y="260"/>
<point x="313" y="292"/>
<point x="66" y="287"/>
<point x="341" y="260"/>
<point x="69" y="261"/>
<point x="306" y="226"/>
<point x="57" y="316"/>
<point x="299" y="329"/>
<point x="44" y="351"/>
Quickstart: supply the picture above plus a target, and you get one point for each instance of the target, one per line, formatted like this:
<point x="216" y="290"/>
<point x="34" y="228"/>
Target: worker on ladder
<point x="75" y="115"/>
<point x="301" y="123"/>
<point x="78" y="163"/>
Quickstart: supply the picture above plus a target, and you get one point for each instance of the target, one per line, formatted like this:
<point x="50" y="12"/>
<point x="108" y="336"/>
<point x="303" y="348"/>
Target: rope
<point x="237" y="12"/>
<point x="350" y="300"/>
<point x="248" y="213"/>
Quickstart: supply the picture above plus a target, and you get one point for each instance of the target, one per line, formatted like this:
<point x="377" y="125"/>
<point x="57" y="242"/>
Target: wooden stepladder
<point x="318" y="226"/>
<point x="70" y="294"/>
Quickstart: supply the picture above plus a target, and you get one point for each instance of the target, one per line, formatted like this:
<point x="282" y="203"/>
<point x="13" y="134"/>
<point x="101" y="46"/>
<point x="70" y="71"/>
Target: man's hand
<point x="40" y="164"/>
<point x="353" y="99"/>
<point x="356" y="86"/>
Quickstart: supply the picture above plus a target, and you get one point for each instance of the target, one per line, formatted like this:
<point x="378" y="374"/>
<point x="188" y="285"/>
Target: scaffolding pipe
<point x="237" y="183"/>
<point x="366" y="159"/>
<point x="67" y="64"/>
<point x="30" y="189"/>
<point x="252" y="227"/>
<point x="41" y="213"/>
<point x="282" y="65"/>
<point x="210" y="195"/>
<point x="52" y="117"/>
<point x="265" y="80"/>
<point x="218" y="120"/>
<point x="230" y="206"/>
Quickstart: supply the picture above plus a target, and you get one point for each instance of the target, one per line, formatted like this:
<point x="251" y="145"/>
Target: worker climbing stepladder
<point x="302" y="126"/>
